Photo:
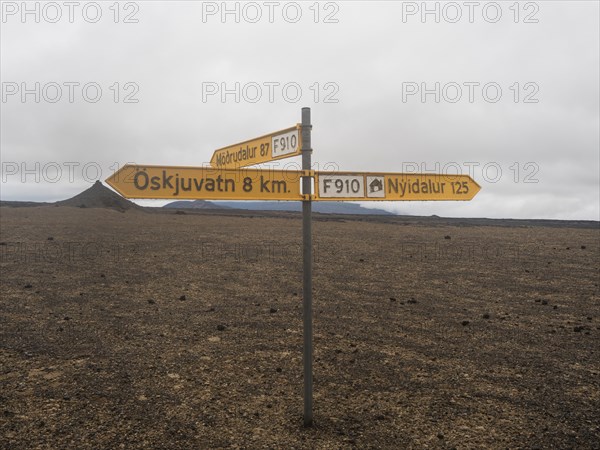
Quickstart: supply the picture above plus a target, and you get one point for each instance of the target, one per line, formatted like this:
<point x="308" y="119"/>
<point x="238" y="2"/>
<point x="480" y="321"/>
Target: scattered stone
<point x="28" y="286"/>
<point x="67" y="318"/>
<point x="465" y="323"/>
<point x="583" y="247"/>
<point x="338" y="351"/>
<point x="210" y="310"/>
<point x="273" y="310"/>
<point x="568" y="248"/>
<point x="50" y="238"/>
<point x="589" y="318"/>
<point x="182" y="297"/>
<point x="544" y="302"/>
<point x="447" y="237"/>
<point x="278" y="369"/>
<point x="295" y="294"/>
<point x="66" y="397"/>
<point x="440" y="436"/>
<point x="412" y="301"/>
<point x="486" y="316"/>
<point x="102" y="275"/>
<point x="151" y="301"/>
<point x="2" y="243"/>
<point x="361" y="260"/>
<point x="555" y="307"/>
<point x="221" y="327"/>
<point x="578" y="329"/>
<point x="379" y="417"/>
<point x="392" y="299"/>
<point x="537" y="300"/>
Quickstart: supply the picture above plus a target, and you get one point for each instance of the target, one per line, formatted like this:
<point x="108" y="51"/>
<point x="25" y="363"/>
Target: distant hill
<point x="195" y="204"/>
<point x="99" y="196"/>
<point x="320" y="207"/>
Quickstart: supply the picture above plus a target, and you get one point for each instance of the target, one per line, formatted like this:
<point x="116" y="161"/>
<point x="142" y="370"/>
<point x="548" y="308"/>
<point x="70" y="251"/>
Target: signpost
<point x="226" y="180"/>
<point x="281" y="144"/>
<point x="171" y="182"/>
<point x="375" y="186"/>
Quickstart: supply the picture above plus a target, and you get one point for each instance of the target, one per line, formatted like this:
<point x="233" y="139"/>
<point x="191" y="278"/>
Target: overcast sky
<point x="517" y="90"/>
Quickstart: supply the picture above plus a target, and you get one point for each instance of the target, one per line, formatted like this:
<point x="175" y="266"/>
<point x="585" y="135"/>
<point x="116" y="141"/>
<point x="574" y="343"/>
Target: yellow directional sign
<point x="281" y="144"/>
<point x="205" y="183"/>
<point x="337" y="186"/>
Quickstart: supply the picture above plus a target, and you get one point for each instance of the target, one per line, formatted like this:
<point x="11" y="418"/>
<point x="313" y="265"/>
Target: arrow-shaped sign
<point x="205" y="183"/>
<point x="368" y="186"/>
<point x="281" y="144"/>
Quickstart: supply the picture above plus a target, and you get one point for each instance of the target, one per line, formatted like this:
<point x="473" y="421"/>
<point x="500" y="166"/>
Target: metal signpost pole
<point x="307" y="256"/>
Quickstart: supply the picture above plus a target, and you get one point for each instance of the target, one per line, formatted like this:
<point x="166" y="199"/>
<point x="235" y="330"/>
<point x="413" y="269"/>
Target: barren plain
<point x="171" y="330"/>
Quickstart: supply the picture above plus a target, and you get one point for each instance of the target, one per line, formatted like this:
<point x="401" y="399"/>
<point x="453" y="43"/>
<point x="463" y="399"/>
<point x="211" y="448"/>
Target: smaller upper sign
<point x="281" y="144"/>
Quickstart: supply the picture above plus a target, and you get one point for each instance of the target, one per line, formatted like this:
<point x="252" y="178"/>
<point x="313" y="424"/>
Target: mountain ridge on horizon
<point x="324" y="207"/>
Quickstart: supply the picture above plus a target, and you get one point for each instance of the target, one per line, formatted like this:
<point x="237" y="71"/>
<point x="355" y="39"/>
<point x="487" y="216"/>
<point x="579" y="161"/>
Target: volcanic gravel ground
<point x="156" y="330"/>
